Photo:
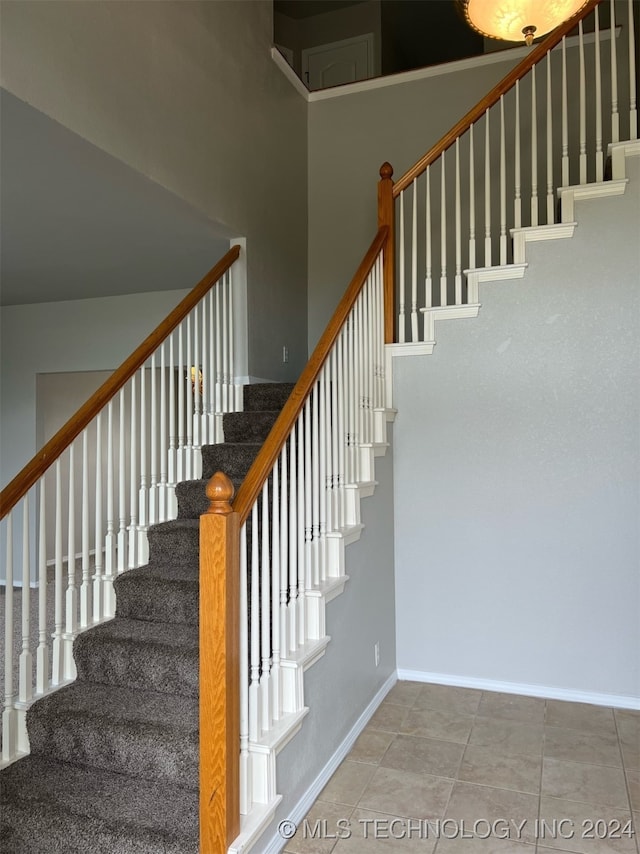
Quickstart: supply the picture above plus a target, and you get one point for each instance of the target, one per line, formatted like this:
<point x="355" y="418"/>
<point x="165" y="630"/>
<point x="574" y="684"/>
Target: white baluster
<point x="9" y="716"/>
<point x="284" y="553"/>
<point x="503" y="186"/>
<point x="321" y="487"/>
<point x="42" y="652"/>
<point x="342" y="429"/>
<point x="133" y="479"/>
<point x="583" y="110"/>
<point x="188" y="382"/>
<point x="25" y="684"/>
<point x="195" y="370"/>
<point x="615" y="116"/>
<point x="265" y="613"/>
<point x="428" y="284"/>
<point x="309" y="575"/>
<point x="182" y="415"/>
<point x="245" y="766"/>
<point x="534" y="148"/>
<point x="300" y="523"/>
<point x="633" y="108"/>
<point x="443" y="231"/>
<point x="550" y="198"/>
<point x="565" y="119"/>
<point x="153" y="445"/>
<point x="110" y="538"/>
<point x="472" y="202"/>
<point x="275" y="595"/>
<point x="414" y="263"/>
<point x="315" y="486"/>
<point x="71" y="624"/>
<point x="225" y="346"/>
<point x="57" y="669"/>
<point x="122" y="487"/>
<point x="293" y="543"/>
<point x="98" y="599"/>
<point x="254" y="686"/>
<point x="163" y="486"/>
<point x="143" y="519"/>
<point x="218" y="342"/>
<point x="173" y="428"/>
<point x="86" y="605"/>
<point x="458" y="276"/>
<point x="401" y="261"/>
<point x="517" y="204"/>
<point x="487" y="191"/>
<point x="599" y="152"/>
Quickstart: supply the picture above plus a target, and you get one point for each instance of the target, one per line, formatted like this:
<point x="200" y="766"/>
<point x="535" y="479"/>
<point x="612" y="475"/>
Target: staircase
<point x="114" y="756"/>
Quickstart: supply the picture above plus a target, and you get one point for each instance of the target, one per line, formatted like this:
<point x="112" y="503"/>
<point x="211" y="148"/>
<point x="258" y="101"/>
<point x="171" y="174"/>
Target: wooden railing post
<point x="219" y="669"/>
<point x="386" y="216"/>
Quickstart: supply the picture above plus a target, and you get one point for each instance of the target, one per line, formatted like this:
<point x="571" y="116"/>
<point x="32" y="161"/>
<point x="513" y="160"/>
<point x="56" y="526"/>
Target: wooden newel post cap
<point x="386" y="170"/>
<point x="220" y="491"/>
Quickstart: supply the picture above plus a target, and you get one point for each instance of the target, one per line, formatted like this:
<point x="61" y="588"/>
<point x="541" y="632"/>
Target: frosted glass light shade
<point x="510" y="19"/>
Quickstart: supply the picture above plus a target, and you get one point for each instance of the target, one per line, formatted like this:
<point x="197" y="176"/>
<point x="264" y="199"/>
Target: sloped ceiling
<point x="77" y="223"/>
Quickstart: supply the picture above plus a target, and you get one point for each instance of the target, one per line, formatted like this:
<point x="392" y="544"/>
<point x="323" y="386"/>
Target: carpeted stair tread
<point x="176" y="541"/>
<point x="143" y="655"/>
<point x="55" y="806"/>
<point x="159" y="591"/>
<point x="141" y="733"/>
<point x="252" y="426"/>
<point x="233" y="458"/>
<point x="261" y="396"/>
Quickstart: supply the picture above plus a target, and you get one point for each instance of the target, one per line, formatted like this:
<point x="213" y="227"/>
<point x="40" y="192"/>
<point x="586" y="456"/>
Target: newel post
<point x="386" y="216"/>
<point x="219" y="669"/>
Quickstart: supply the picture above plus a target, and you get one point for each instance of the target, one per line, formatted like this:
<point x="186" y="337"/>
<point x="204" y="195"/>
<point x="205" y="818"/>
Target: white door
<point x="339" y="62"/>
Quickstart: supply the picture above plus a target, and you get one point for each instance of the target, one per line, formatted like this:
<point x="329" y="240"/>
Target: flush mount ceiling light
<point x="512" y="20"/>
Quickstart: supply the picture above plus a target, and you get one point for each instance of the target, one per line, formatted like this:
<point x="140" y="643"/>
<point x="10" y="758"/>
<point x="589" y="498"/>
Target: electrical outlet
<point x="376" y="652"/>
<point x="285" y="355"/>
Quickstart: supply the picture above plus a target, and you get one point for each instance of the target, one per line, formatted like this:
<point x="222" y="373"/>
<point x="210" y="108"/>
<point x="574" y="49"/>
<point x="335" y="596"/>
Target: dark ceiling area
<point x="415" y="33"/>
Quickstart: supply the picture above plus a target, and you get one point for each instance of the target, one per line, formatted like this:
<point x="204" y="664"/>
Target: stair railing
<point x="540" y="128"/>
<point x="76" y="516"/>
<point x="266" y="560"/>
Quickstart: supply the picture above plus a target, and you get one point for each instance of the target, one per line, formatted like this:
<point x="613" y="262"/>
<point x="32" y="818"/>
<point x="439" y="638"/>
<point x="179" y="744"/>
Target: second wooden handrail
<point x="264" y="462"/>
<point x="536" y="54"/>
<point x="37" y="466"/>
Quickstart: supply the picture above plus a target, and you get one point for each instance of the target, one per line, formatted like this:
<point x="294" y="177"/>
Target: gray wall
<point x="344" y="681"/>
<point x="187" y="94"/>
<point x="60" y="337"/>
<point x="517" y="463"/>
<point x="350" y="136"/>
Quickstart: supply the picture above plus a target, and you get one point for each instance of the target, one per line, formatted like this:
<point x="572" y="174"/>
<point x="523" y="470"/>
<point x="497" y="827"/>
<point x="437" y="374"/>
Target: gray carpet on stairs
<point x="114" y="756"/>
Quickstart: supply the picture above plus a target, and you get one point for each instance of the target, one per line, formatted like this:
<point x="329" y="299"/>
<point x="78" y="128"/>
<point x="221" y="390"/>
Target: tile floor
<point x="485" y="765"/>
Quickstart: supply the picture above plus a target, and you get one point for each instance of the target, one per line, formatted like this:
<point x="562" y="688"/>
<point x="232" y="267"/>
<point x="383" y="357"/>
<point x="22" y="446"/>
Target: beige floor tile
<point x="480" y="806"/>
<point x="633" y="783"/>
<point x="405" y="794"/>
<point x="404" y="693"/>
<point x="388" y="717"/>
<point x="580" y="716"/>
<point x="389" y="834"/>
<point x="574" y="745"/>
<point x="370" y="746"/>
<point x="477" y="845"/>
<point x="507" y="737"/>
<point x="575" y="823"/>
<point x="438" y="723"/>
<point x="576" y="781"/>
<point x="512" y="707"/>
<point x="488" y="767"/>
<point x="424" y="756"/>
<point x="628" y="723"/>
<point x="464" y="701"/>
<point x="318" y="832"/>
<point x="348" y="783"/>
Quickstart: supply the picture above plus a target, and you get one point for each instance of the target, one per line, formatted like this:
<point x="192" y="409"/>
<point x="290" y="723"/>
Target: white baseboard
<point x="277" y="843"/>
<point x="618" y="701"/>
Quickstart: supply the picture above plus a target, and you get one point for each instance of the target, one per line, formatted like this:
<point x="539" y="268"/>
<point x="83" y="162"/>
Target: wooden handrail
<point x="264" y="462"/>
<point x="47" y="455"/>
<point x="537" y="53"/>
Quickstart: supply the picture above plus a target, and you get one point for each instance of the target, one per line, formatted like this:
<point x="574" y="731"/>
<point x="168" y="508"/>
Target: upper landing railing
<point x="545" y="125"/>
